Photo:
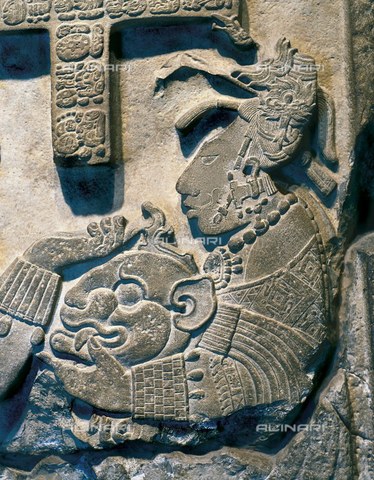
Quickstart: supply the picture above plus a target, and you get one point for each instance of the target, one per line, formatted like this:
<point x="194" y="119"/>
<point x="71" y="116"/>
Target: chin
<point x="227" y="225"/>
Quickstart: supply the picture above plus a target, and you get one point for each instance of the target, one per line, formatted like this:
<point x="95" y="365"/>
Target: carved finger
<point x="45" y="358"/>
<point x="5" y="325"/>
<point x="93" y="230"/>
<point x="119" y="229"/>
<point x="63" y="343"/>
<point x="105" y="430"/>
<point x="120" y="221"/>
<point x="106" y="225"/>
<point x="107" y="245"/>
<point x="103" y="359"/>
<point x="94" y="424"/>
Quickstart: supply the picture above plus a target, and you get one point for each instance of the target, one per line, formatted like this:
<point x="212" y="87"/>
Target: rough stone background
<point x="38" y="199"/>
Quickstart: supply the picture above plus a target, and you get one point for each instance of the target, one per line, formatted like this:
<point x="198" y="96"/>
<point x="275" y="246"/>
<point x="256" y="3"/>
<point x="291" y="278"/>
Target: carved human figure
<point x="148" y="336"/>
<point x="164" y="341"/>
<point x="273" y="269"/>
<point x="274" y="262"/>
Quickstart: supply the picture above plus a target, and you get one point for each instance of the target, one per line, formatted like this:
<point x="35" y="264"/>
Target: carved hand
<point x="105" y="385"/>
<point x="65" y="249"/>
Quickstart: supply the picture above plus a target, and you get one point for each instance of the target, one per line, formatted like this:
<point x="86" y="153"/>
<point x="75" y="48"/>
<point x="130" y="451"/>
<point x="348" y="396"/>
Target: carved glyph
<point x="80" y="32"/>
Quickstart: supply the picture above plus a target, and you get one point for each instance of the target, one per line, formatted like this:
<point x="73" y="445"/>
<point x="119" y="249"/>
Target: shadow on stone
<point x="88" y="190"/>
<point x="24" y="55"/>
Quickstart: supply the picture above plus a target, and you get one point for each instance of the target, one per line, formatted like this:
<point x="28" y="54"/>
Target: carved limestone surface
<point x="80" y="30"/>
<point x="194" y="281"/>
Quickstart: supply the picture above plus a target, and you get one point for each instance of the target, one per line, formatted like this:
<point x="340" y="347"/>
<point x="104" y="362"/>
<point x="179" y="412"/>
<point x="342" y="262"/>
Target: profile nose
<point x="186" y="184"/>
<point x="182" y="184"/>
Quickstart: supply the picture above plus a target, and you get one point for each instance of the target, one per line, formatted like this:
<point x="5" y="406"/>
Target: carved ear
<point x="196" y="301"/>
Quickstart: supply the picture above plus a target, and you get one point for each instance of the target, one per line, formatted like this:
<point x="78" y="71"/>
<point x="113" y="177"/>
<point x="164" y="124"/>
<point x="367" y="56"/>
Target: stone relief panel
<point x="202" y="307"/>
<point x="80" y="31"/>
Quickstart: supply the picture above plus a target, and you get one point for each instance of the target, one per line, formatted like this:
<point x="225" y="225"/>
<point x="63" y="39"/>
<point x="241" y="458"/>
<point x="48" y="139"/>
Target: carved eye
<point x="129" y="294"/>
<point x="288" y="98"/>
<point x="209" y="159"/>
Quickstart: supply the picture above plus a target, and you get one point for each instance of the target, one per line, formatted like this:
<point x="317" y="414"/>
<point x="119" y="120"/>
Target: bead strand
<point x="262" y="225"/>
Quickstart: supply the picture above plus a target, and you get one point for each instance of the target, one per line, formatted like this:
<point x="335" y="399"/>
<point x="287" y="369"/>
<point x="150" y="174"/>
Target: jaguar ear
<point x="194" y="301"/>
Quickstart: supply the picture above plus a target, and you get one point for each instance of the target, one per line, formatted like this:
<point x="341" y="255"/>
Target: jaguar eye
<point x="129" y="294"/>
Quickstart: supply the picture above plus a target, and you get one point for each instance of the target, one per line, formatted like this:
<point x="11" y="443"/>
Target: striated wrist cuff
<point x="28" y="292"/>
